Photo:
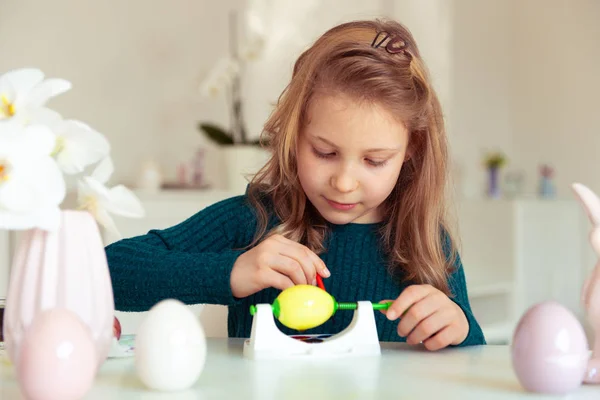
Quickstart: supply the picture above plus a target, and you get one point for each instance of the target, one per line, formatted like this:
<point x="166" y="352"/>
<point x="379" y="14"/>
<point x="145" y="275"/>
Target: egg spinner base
<point x="268" y="342"/>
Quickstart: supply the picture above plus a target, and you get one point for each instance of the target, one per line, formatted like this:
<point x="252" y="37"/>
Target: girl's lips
<point x="341" y="206"/>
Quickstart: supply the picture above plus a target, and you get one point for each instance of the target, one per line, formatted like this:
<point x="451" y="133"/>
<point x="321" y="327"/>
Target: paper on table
<point x="123" y="347"/>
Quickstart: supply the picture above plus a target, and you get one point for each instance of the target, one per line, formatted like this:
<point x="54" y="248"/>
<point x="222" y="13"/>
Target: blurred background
<point x="518" y="81"/>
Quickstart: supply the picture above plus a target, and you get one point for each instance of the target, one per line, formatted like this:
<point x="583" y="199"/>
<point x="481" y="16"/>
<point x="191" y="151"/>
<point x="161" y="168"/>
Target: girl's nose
<point x="344" y="182"/>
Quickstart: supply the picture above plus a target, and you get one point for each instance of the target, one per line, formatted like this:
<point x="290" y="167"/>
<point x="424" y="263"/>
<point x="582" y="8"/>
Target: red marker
<point x="320" y="282"/>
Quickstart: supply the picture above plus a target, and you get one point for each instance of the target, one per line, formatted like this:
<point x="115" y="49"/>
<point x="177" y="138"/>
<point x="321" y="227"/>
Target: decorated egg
<point x="549" y="349"/>
<point x="57" y="360"/>
<point x="170" y="347"/>
<point x="303" y="307"/>
<point x="116" y="328"/>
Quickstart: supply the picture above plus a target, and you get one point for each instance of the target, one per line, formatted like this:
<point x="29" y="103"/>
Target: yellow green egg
<point x="302" y="307"/>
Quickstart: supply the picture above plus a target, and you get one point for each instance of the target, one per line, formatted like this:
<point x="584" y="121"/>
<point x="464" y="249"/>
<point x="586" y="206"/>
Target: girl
<point x="354" y="192"/>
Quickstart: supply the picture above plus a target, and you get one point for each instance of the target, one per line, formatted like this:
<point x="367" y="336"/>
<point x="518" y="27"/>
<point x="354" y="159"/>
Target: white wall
<point x="479" y="113"/>
<point x="465" y="46"/>
<point x="556" y="82"/>
<point x="293" y="26"/>
<point x="520" y="76"/>
<point x="517" y="76"/>
<point x="136" y="66"/>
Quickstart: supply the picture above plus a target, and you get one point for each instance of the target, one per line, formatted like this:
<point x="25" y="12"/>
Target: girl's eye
<point x="326" y="155"/>
<point x="376" y="163"/>
<point x="322" y="155"/>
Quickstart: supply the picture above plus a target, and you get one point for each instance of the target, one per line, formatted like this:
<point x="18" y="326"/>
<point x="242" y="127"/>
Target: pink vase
<point x="66" y="268"/>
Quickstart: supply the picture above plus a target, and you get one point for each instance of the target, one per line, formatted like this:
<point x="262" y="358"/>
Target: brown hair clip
<point x="394" y="45"/>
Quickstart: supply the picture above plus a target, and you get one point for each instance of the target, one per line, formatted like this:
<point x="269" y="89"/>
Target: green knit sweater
<point x="192" y="262"/>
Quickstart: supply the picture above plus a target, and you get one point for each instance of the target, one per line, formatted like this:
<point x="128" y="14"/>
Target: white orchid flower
<point x="220" y="77"/>
<point x="77" y="146"/>
<point x="101" y="201"/>
<point x="31" y="184"/>
<point x="256" y="29"/>
<point x="24" y="93"/>
<point x="252" y="49"/>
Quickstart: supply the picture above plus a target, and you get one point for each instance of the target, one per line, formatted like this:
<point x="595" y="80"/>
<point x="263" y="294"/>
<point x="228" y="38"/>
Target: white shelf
<point x="498" y="333"/>
<point x="517" y="253"/>
<point x="492" y="289"/>
<point x="182" y="195"/>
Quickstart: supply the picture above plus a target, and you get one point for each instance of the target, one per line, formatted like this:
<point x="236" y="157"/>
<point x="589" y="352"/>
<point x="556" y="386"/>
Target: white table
<point x="402" y="372"/>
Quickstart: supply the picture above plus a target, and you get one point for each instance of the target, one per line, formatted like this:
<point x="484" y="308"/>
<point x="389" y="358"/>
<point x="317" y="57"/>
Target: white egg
<point x="170" y="347"/>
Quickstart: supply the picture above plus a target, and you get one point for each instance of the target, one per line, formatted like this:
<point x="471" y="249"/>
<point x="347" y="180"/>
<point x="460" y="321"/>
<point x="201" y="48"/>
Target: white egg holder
<point x="268" y="342"/>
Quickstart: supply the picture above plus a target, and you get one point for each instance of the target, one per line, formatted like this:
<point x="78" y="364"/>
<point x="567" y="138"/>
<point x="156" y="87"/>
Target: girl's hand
<point x="428" y="316"/>
<point x="276" y="262"/>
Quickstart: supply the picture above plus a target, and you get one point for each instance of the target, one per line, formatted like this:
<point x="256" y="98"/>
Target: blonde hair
<point x="345" y="60"/>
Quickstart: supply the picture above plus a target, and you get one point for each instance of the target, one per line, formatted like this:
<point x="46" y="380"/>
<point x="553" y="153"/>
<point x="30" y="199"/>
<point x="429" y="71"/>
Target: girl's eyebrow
<point x="373" y="150"/>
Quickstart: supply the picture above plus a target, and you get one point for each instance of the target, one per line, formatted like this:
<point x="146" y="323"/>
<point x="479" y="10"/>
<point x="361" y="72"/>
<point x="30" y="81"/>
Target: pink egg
<point x="549" y="349"/>
<point x="58" y="357"/>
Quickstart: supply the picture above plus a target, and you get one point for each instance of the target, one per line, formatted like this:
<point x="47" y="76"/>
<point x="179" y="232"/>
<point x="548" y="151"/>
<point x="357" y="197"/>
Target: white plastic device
<point x="268" y="342"/>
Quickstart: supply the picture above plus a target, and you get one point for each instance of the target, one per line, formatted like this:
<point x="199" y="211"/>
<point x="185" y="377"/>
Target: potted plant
<point x="243" y="156"/>
<point x="494" y="162"/>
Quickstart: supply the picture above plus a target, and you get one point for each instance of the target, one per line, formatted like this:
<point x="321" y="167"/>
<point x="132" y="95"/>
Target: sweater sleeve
<point x="458" y="287"/>
<point x="191" y="261"/>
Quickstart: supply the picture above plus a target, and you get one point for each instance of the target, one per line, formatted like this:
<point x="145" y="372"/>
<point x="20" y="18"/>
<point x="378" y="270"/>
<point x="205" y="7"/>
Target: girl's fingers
<point x="277" y="280"/>
<point x="290" y="268"/>
<point x="310" y="262"/>
<point x="418" y="312"/>
<point x="428" y="327"/>
<point x="409" y="296"/>
<point x="319" y="265"/>
<point x="441" y="339"/>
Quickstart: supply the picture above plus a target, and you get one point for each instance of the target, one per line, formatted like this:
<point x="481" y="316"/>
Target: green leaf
<point x="216" y="134"/>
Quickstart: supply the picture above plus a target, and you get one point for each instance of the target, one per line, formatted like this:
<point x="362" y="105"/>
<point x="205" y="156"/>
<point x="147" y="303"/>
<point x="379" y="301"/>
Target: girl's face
<point x="349" y="158"/>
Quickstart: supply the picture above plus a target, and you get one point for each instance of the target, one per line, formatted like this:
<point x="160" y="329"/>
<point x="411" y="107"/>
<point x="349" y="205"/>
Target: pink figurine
<point x="591" y="289"/>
